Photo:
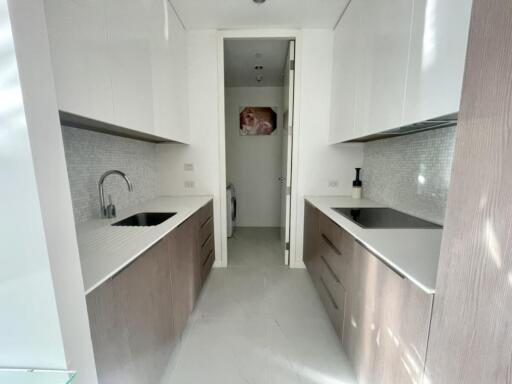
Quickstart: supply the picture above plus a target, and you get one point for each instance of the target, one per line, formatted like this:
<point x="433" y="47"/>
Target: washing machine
<point x="231" y="207"/>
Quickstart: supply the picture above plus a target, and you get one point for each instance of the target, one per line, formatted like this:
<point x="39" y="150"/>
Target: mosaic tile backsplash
<point x="89" y="154"/>
<point x="411" y="173"/>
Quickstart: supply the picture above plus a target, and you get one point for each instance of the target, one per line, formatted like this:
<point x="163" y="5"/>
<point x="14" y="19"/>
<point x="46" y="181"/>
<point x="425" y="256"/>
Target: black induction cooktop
<point x="383" y="218"/>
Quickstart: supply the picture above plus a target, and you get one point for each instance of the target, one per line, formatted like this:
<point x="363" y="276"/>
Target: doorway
<point x="258" y="119"/>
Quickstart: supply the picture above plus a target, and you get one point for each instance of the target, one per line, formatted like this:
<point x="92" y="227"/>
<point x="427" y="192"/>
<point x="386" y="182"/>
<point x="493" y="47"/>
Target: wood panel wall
<point x="471" y="332"/>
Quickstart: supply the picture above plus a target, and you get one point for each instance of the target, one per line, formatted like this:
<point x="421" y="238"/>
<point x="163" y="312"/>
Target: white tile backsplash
<point x="90" y="154"/>
<point x="411" y="173"/>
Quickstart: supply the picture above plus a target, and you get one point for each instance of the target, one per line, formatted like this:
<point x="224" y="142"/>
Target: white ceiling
<point x="216" y="14"/>
<point x="241" y="56"/>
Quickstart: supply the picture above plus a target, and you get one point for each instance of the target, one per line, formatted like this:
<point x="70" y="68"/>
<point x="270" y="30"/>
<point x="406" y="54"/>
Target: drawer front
<point x="333" y="297"/>
<point x="334" y="253"/>
<point x="206" y="231"/>
<point x="207" y="264"/>
<point x="205" y="213"/>
<point x="206" y="248"/>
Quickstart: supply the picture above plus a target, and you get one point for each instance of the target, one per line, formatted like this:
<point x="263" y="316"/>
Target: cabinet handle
<point x="389" y="266"/>
<point x="333" y="302"/>
<point x="207" y="239"/>
<point x="206" y="221"/>
<point x="330" y="270"/>
<point x="331" y="245"/>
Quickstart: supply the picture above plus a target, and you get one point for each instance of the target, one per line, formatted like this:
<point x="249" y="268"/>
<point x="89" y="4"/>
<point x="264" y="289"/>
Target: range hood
<point x="427" y="125"/>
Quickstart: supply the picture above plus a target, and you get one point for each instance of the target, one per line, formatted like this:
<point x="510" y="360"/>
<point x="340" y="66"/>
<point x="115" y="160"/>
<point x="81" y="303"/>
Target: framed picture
<point x="258" y="121"/>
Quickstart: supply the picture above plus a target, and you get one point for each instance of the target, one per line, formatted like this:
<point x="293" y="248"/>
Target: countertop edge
<point x="337" y="218"/>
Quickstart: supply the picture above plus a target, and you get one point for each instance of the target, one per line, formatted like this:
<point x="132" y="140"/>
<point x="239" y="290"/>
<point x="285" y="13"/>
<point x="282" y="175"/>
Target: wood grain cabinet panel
<point x="382" y="318"/>
<point x="387" y="326"/>
<point x="137" y="316"/>
<point x="182" y="255"/>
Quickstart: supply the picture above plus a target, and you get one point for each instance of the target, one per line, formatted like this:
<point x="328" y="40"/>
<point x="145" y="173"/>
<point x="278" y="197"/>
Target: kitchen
<point x="101" y="91"/>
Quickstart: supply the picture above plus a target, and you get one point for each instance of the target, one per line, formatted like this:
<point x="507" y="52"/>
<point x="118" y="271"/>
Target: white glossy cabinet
<point x="383" y="68"/>
<point x="129" y="41"/>
<point x="80" y="57"/>
<point x="437" y="58"/>
<point x="170" y="93"/>
<point x="121" y="63"/>
<point x="396" y="62"/>
<point x="344" y="82"/>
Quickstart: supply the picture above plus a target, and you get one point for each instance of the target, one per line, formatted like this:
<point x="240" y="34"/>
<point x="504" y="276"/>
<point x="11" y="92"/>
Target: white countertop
<point x="105" y="249"/>
<point x="413" y="252"/>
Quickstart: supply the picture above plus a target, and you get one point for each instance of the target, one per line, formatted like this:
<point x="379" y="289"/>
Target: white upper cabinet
<point x="128" y="30"/>
<point x="383" y="72"/>
<point x="396" y="62"/>
<point x="170" y="86"/>
<point x="80" y="57"/>
<point x="438" y="53"/>
<point x="344" y="82"/>
<point x="121" y="62"/>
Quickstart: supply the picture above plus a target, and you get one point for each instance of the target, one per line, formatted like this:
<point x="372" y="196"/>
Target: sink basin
<point x="145" y="219"/>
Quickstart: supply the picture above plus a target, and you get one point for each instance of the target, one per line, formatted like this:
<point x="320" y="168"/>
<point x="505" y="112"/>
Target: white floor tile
<point x="259" y="322"/>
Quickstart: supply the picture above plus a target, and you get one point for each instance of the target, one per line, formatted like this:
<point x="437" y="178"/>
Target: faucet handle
<point x="111" y="208"/>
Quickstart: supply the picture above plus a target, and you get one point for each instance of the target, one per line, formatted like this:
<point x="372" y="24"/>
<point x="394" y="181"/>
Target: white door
<point x="286" y="171"/>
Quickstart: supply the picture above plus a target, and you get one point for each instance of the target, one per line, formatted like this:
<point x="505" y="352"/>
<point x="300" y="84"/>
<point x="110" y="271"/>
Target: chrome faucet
<point x="109" y="211"/>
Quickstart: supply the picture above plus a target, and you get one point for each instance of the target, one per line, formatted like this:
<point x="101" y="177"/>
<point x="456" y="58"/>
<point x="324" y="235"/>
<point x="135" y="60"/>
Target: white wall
<point x="29" y="325"/>
<point x="253" y="163"/>
<point x="203" y="150"/>
<point x="319" y="163"/>
<point x="33" y="313"/>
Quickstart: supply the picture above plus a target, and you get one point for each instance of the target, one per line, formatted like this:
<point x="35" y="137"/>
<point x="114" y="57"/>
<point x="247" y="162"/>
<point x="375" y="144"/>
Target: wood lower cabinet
<point x="381" y="317"/>
<point x="206" y="243"/>
<point x="137" y="316"/>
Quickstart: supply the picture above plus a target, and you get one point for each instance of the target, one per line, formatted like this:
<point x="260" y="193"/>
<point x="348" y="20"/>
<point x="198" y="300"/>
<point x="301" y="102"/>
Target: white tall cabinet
<point x="121" y="63"/>
<point x="396" y="62"/>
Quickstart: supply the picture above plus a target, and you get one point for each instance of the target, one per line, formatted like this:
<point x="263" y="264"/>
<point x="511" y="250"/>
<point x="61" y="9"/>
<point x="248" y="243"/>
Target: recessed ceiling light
<point x="258" y="67"/>
<point x="259" y="1"/>
<point x="259" y="78"/>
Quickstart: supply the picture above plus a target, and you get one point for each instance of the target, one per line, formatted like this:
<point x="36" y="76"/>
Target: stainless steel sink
<point x="145" y="219"/>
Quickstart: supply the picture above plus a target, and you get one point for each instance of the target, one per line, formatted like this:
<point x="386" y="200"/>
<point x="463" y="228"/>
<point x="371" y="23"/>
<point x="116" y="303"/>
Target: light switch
<point x="188" y="166"/>
<point x="190" y="184"/>
<point x="333" y="183"/>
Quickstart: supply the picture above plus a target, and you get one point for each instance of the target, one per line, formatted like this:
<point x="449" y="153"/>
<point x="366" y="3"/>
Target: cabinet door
<point x="387" y="323"/>
<point x="382" y="67"/>
<point x="110" y="342"/>
<point x="182" y="254"/>
<point x="345" y="69"/>
<point x="437" y="56"/>
<point x="143" y="293"/>
<point x="129" y="49"/>
<point x="81" y="67"/>
<point x="170" y="85"/>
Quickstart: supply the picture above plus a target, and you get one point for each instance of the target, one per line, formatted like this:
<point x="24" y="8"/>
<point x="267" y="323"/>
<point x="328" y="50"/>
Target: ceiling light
<point x="259" y="78"/>
<point x="258" y="67"/>
<point x="259" y="1"/>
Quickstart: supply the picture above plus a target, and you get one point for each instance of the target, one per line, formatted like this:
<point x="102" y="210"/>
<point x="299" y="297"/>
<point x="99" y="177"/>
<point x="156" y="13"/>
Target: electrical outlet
<point x="188" y="166"/>
<point x="333" y="183"/>
<point x="190" y="184"/>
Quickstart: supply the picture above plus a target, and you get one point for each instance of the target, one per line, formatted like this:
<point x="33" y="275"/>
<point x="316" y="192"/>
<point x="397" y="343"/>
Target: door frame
<point x="291" y="34"/>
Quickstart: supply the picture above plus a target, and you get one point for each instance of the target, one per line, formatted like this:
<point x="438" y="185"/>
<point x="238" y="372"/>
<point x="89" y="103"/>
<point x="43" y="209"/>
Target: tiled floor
<point x="258" y="322"/>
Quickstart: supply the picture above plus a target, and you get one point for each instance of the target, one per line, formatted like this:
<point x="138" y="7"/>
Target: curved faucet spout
<point x="103" y="208"/>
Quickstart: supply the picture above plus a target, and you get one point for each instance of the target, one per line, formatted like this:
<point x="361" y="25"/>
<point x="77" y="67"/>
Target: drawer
<point x="333" y="300"/>
<point x="207" y="264"/>
<point x="204" y="214"/>
<point x="206" y="231"/>
<point x="336" y="258"/>
<point x="331" y="231"/>
<point x="206" y="248"/>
